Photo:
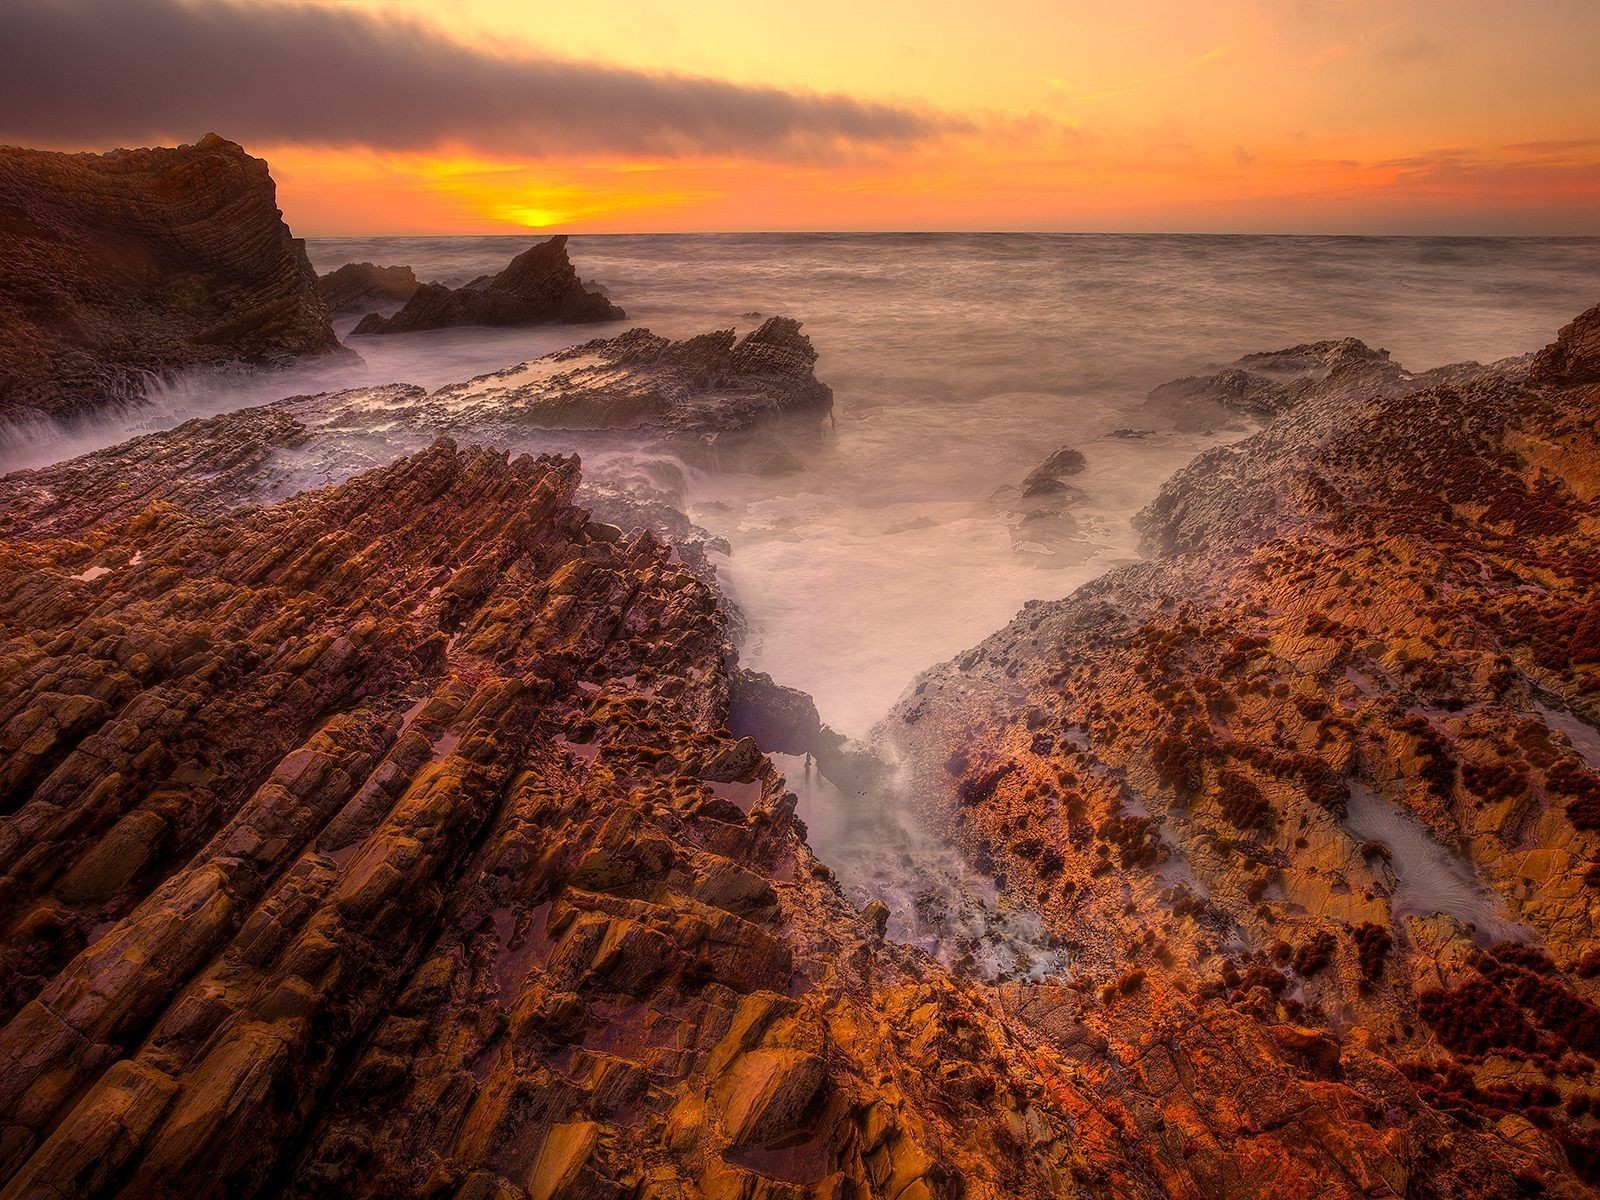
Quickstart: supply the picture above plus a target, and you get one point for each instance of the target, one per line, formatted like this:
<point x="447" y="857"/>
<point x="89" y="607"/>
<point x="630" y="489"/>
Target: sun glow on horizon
<point x="1330" y="116"/>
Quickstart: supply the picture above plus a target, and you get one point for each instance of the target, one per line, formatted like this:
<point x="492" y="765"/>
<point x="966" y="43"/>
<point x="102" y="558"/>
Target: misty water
<point x="958" y="363"/>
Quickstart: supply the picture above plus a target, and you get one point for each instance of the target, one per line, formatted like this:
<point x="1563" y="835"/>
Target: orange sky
<point x="1466" y="116"/>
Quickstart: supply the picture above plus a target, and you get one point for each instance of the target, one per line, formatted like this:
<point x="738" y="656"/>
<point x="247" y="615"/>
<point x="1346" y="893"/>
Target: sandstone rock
<point x="539" y="285"/>
<point x="114" y="267"/>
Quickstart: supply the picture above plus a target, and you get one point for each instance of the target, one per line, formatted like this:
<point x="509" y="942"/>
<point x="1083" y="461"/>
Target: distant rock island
<point x="539" y="286"/>
<point x="116" y="267"/>
<point x="356" y="287"/>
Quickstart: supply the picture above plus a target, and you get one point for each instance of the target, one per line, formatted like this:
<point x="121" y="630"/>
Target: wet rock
<point x="1046" y="478"/>
<point x="352" y="845"/>
<point x="1260" y="386"/>
<point x="539" y="286"/>
<point x="361" y="287"/>
<point x="118" y="266"/>
<point x="1369" y="616"/>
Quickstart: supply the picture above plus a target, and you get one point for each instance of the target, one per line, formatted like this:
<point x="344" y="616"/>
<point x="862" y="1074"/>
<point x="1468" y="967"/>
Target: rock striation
<point x="539" y="286"/>
<point x="409" y="835"/>
<point x="390" y="840"/>
<point x="1315" y="792"/>
<point x="120" y="266"/>
<point x="360" y="287"/>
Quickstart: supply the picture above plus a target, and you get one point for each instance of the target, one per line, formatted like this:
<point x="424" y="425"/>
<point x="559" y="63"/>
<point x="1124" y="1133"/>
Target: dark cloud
<point x="130" y="72"/>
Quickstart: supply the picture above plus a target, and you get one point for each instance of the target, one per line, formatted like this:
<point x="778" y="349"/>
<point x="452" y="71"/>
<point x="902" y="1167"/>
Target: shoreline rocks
<point x="358" y="287"/>
<point x="118" y="267"/>
<point x="1312" y="791"/>
<point x="539" y="286"/>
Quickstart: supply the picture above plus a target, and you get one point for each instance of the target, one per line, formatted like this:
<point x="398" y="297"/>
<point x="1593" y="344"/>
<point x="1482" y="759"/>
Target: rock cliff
<point x="539" y="286"/>
<point x="119" y="266"/>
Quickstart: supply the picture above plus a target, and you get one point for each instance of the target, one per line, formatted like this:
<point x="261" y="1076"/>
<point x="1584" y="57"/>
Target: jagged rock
<point x="539" y="286"/>
<point x="358" y="287"/>
<point x="117" y="266"/>
<point x="356" y="844"/>
<point x="1316" y="792"/>
<point x="1574" y="357"/>
<point x="369" y="841"/>
<point x="1045" y="479"/>
<point x="1260" y="386"/>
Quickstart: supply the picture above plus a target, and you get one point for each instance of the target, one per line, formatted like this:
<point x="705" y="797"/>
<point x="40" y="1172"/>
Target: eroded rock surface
<point x="118" y="266"/>
<point x="402" y="837"/>
<point x="1259" y="387"/>
<point x="1316" y="793"/>
<point x="540" y="286"/>
<point x="390" y="840"/>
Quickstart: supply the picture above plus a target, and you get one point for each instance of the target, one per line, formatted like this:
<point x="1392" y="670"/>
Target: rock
<point x="1047" y="476"/>
<point x="539" y="286"/>
<point x="117" y="266"/>
<point x="358" y="287"/>
<point x="1260" y="386"/>
<point x="354" y="844"/>
<point x="1369" y="625"/>
<point x="1574" y="357"/>
<point x="1039" y="514"/>
<point x="368" y="841"/>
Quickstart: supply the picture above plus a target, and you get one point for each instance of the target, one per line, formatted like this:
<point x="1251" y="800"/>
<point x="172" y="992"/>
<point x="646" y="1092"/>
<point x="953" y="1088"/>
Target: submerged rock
<point x="358" y="287"/>
<point x="539" y="286"/>
<point x="116" y="267"/>
<point x="1046" y="478"/>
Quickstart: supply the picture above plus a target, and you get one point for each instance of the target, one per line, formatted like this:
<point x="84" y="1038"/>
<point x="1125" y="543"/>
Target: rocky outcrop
<point x="714" y="400"/>
<point x="1315" y="795"/>
<point x="1259" y="387"/>
<point x="390" y="840"/>
<point x="540" y="286"/>
<point x="714" y="386"/>
<point x="117" y="267"/>
<point x="412" y="836"/>
<point x="361" y="287"/>
<point x="1574" y="357"/>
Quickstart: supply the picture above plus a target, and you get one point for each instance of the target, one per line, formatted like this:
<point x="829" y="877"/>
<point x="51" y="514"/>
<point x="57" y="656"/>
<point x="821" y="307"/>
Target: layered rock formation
<point x="115" y="267"/>
<point x="390" y="840"/>
<point x="361" y="287"/>
<point x="540" y="286"/>
<point x="402" y="837"/>
<point x="1316" y="792"/>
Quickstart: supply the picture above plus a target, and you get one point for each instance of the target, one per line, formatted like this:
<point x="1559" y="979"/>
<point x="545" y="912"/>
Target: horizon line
<point x="555" y="231"/>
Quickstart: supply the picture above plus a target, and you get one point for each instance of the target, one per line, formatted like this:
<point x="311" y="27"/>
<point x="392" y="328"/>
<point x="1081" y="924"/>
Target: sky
<point x="497" y="116"/>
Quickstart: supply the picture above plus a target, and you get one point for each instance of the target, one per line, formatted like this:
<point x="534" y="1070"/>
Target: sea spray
<point x="881" y="850"/>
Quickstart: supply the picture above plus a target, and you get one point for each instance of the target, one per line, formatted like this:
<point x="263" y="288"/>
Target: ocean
<point x="958" y="362"/>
